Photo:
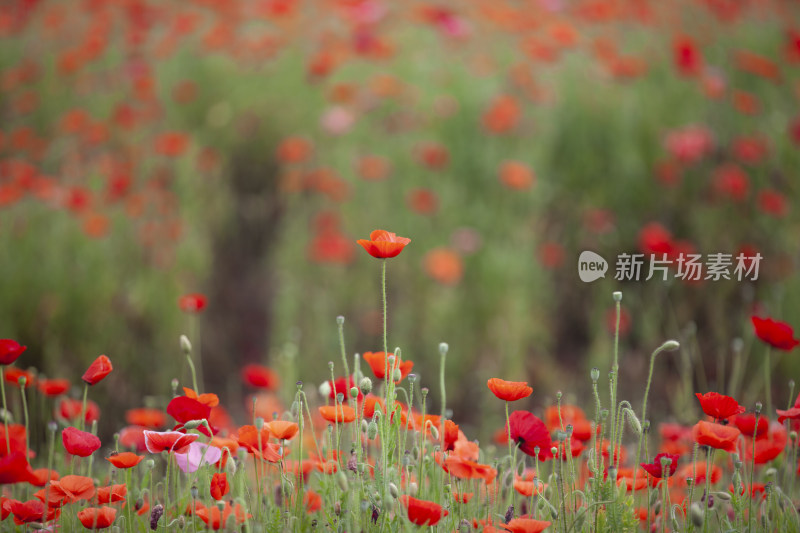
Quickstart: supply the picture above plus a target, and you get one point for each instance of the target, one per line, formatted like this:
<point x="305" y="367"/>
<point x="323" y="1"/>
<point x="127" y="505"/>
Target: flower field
<point x="584" y="321"/>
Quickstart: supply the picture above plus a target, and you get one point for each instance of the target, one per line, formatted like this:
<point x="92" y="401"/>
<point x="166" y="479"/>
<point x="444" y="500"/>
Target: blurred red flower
<point x="777" y="334"/>
<point x="444" y="265"/>
<point x="70" y="409"/>
<point x="99" y="369"/>
<point x="377" y="362"/>
<point x="147" y="417"/>
<point x="53" y="387"/>
<point x="747" y="424"/>
<point x="772" y="202"/>
<point x="14" y="468"/>
<point x="125" y="459"/>
<point x="687" y="56"/>
<point x="192" y="303"/>
<point x="656" y="469"/>
<point x="260" y="377"/>
<point x="10" y="350"/>
<point x="384" y="244"/>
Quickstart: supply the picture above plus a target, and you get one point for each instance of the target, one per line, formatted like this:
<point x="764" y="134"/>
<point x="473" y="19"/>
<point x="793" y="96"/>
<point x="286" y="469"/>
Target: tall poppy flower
<point x="747" y="424"/>
<point x="112" y="493"/>
<point x="168" y="441"/>
<point x="183" y="409"/>
<point x="384" y="244"/>
<point x="192" y="303"/>
<point x="777" y="334"/>
<point x="422" y="512"/>
<point x="10" y="350"/>
<point x="377" y="362"/>
<point x="259" y="376"/>
<point x="656" y="469"/>
<point x="719" y="406"/>
<point x="80" y="443"/>
<point x="526" y="525"/>
<point x="125" y="459"/>
<point x="216" y="518"/>
<point x="338" y="413"/>
<point x="716" y="436"/>
<point x="31" y="511"/>
<point x="283" y="429"/>
<point x="510" y="391"/>
<point x="219" y="486"/>
<point x="529" y="432"/>
<point x="70" y="489"/>
<point x="97" y="517"/>
<point x="99" y="369"/>
<point x="14" y="468"/>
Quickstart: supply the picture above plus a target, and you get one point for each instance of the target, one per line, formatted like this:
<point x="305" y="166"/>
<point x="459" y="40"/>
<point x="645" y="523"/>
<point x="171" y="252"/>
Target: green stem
<point x="5" y="412"/>
<point x="83" y="408"/>
<point x="767" y="382"/>
<point x="22" y="385"/>
<point x="383" y="297"/>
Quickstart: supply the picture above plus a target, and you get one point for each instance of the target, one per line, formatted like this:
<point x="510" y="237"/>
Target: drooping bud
<point x="186" y="346"/>
<point x="696" y="514"/>
<point x="671" y="345"/>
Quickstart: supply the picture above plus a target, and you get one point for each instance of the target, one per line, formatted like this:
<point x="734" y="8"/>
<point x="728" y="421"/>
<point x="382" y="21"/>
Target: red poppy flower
<point x="312" y="501"/>
<point x="53" y="387"/>
<point x="10" y="350"/>
<point x="529" y="432"/>
<point x="656" y="469"/>
<point x="169" y="441"/>
<point x="125" y="459"/>
<point x="70" y="489"/>
<point x="768" y="446"/>
<point x="16" y="438"/>
<point x="444" y="265"/>
<point x="112" y="494"/>
<point x="99" y="369"/>
<point x="777" y="334"/>
<point x="43" y="476"/>
<point x="384" y="244"/>
<point x="208" y="398"/>
<point x="687" y="57"/>
<point x="14" y="468"/>
<point x="716" y="436"/>
<point x="79" y="443"/>
<point x="219" y="486"/>
<point x="97" y="518"/>
<point x="377" y="362"/>
<point x="510" y="391"/>
<point x="338" y="413"/>
<point x="70" y="409"/>
<point x="146" y="417"/>
<point x="422" y="512"/>
<point x="719" y="406"/>
<point x="31" y="511"/>
<point x="216" y="519"/>
<point x="747" y="424"/>
<point x="184" y="409"/>
<point x="526" y="525"/>
<point x="259" y="376"/>
<point x="133" y="437"/>
<point x="192" y="303"/>
<point x="13" y="374"/>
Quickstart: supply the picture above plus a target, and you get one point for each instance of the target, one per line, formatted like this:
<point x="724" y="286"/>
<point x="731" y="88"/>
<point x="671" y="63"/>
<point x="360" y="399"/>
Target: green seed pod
<point x="696" y="514"/>
<point x="341" y="480"/>
<point x="354" y="392"/>
<point x="393" y="490"/>
<point x="372" y="431"/>
<point x="365" y="385"/>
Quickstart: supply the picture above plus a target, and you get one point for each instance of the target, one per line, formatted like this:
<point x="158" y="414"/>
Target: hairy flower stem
<point x="749" y="492"/>
<point x="383" y="297"/>
<point x="443" y="353"/>
<point x="709" y="463"/>
<point x="5" y="413"/>
<point x="669" y="345"/>
<point x="22" y="383"/>
<point x="340" y="327"/>
<point x="613" y="377"/>
<point x="767" y="381"/>
<point x="83" y="407"/>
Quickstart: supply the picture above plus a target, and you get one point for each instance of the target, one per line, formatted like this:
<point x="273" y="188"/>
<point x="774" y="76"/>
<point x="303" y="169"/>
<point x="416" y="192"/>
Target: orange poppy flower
<point x="338" y="413"/>
<point x="502" y="115"/>
<point x="282" y="429"/>
<point x="510" y="391"/>
<point x="146" y="417"/>
<point x="444" y="266"/>
<point x="378" y="364"/>
<point x="527" y="488"/>
<point x="216" y="519"/>
<point x="97" y="518"/>
<point x="70" y="489"/>
<point x="209" y="398"/>
<point x="43" y="476"/>
<point x="219" y="486"/>
<point x="463" y="497"/>
<point x="248" y="437"/>
<point x="112" y="494"/>
<point x="125" y="459"/>
<point x="384" y="244"/>
<point x="526" y="525"/>
<point x="716" y="435"/>
<point x="516" y="175"/>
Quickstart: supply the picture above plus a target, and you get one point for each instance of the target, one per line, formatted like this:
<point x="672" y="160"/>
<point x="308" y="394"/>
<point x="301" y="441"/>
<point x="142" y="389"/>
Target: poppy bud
<point x="365" y="385"/>
<point x="793" y="436"/>
<point x="412" y="378"/>
<point x="22" y="381"/>
<point x="671" y="345"/>
<point x="413" y="488"/>
<point x="397" y="375"/>
<point x="354" y="392"/>
<point x="595" y="375"/>
<point x="341" y="480"/>
<point x="186" y="346"/>
<point x="617" y="295"/>
<point x="155" y="516"/>
<point x="174" y="383"/>
<point x="443" y="348"/>
<point x="758" y="408"/>
<point x="99" y="369"/>
<point x="340" y="320"/>
<point x="195" y="493"/>
<point x="372" y="431"/>
<point x="149" y="464"/>
<point x="689" y="481"/>
<point x="724" y="496"/>
<point x="393" y="490"/>
<point x="554" y="451"/>
<point x="434" y="432"/>
<point x="193" y="424"/>
<point x="697" y="515"/>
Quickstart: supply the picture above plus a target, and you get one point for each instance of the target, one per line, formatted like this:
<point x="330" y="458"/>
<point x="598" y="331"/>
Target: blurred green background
<point x="239" y="149"/>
